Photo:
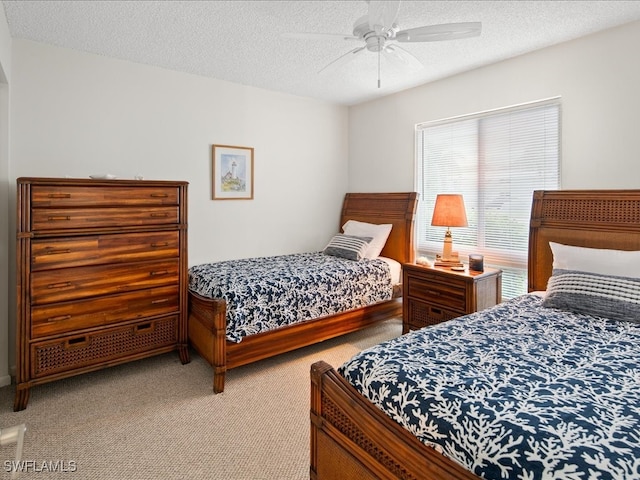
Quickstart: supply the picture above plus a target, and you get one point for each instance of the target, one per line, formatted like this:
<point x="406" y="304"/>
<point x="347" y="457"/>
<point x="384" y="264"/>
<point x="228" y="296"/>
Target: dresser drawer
<point x="58" y="196"/>
<point x="49" y="286"/>
<point x="70" y="316"/>
<point x="109" y="345"/>
<point x="44" y="219"/>
<point x="451" y="294"/>
<point x="79" y="251"/>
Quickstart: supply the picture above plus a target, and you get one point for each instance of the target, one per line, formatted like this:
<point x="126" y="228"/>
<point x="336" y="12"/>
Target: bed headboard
<point x="399" y="209"/>
<point x="585" y="218"/>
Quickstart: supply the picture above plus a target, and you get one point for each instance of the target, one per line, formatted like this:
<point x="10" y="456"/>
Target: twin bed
<point x="247" y="310"/>
<point x="546" y="385"/>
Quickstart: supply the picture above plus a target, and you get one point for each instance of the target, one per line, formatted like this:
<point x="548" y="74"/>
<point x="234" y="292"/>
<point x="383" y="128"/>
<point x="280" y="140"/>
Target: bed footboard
<point x="351" y="439"/>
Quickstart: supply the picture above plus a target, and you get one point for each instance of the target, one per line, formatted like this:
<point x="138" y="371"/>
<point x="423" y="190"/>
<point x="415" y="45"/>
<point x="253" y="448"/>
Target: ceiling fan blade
<point x="382" y="14"/>
<point x="401" y="58"/>
<point x="319" y="36"/>
<point x="437" y="33"/>
<point x="342" y="60"/>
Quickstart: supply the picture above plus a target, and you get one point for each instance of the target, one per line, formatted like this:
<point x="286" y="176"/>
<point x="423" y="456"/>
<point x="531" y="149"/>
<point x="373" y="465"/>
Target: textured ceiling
<point x="241" y="41"/>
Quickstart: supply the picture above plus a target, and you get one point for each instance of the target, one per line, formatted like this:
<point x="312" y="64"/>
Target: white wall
<point x="78" y="114"/>
<point x="5" y="233"/>
<point x="598" y="78"/>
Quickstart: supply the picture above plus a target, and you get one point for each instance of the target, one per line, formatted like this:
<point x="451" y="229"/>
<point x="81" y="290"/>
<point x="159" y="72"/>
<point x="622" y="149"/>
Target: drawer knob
<point x="59" y="318"/>
<point x="161" y="272"/>
<point x="59" y="285"/>
<point x="433" y="292"/>
<point x="160" y="215"/>
<point x="161" y="300"/>
<point x="59" y="195"/>
<point x="159" y="195"/>
<point x="59" y="218"/>
<point x="160" y="244"/>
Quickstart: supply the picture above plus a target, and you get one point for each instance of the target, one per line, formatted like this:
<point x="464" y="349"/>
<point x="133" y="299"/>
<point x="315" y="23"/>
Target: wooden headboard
<point x="584" y="218"/>
<point x="399" y="209"/>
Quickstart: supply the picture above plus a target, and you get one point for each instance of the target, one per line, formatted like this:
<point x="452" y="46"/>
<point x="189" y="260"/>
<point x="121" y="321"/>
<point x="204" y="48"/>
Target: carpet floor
<point x="158" y="419"/>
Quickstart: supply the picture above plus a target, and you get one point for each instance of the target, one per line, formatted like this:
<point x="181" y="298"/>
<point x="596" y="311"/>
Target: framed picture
<point x="232" y="172"/>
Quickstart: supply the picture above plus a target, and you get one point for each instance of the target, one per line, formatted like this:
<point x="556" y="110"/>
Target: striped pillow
<point x="617" y="298"/>
<point x="348" y="246"/>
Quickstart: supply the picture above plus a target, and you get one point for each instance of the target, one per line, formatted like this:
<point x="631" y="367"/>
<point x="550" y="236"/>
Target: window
<point x="496" y="160"/>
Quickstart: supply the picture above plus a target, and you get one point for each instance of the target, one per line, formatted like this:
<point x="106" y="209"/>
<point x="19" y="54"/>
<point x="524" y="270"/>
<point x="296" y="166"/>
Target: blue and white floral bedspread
<point x="269" y="292"/>
<point x="518" y="392"/>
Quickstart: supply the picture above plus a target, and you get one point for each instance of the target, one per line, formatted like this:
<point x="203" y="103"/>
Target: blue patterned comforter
<point x="269" y="292"/>
<point x="517" y="392"/>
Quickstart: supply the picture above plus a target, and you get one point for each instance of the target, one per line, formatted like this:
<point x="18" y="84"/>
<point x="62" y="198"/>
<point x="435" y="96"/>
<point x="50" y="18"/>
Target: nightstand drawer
<point x="424" y="314"/>
<point x="448" y="295"/>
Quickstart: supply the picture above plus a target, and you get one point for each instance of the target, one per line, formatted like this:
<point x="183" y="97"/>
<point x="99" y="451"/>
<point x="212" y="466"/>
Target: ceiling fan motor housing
<point x="374" y="41"/>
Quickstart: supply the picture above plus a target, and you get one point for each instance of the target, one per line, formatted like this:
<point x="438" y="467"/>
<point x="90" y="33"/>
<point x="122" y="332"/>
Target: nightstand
<point x="435" y="294"/>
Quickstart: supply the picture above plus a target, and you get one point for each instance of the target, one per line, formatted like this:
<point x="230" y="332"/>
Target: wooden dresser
<point x="101" y="275"/>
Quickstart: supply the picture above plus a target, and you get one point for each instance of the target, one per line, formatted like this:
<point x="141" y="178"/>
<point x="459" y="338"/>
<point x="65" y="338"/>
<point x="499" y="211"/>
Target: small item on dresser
<point x="476" y="262"/>
<point x="424" y="261"/>
<point x="102" y="176"/>
<point x="458" y="269"/>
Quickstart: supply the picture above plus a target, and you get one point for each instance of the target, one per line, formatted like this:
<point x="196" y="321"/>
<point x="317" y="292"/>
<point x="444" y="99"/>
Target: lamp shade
<point x="449" y="211"/>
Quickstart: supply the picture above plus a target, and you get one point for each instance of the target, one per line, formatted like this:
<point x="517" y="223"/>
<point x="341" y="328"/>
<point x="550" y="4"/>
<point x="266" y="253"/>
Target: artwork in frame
<point x="232" y="172"/>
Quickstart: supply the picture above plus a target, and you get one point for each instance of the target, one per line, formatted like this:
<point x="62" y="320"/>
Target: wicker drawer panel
<point x="49" y="286"/>
<point x="66" y="218"/>
<point x="423" y="315"/>
<point x="78" y="196"/>
<point x="107" y="345"/>
<point x="67" y="252"/>
<point x="94" y="312"/>
<point x="448" y="295"/>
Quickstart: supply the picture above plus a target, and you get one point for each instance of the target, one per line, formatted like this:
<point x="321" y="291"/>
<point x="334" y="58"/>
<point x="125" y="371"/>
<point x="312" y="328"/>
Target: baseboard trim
<point x="5" y="380"/>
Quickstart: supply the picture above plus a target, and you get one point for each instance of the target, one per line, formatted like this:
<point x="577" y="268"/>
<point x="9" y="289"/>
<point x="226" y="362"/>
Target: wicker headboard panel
<point x="585" y="218"/>
<point x="399" y="209"/>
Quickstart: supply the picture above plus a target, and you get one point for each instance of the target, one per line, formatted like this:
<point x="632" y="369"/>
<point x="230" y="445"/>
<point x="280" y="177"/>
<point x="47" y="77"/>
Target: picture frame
<point x="232" y="172"/>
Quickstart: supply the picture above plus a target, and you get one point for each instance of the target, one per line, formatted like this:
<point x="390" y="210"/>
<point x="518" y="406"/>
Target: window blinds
<point x="496" y="160"/>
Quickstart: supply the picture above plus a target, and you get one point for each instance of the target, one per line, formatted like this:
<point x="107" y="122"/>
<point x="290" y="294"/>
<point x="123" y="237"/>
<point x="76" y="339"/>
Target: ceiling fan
<point x="380" y="32"/>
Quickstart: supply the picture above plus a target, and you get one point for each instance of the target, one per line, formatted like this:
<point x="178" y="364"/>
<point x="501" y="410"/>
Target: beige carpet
<point x="158" y="419"/>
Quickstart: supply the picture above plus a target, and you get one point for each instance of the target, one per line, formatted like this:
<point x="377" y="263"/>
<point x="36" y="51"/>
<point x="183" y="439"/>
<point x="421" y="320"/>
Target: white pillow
<point x="378" y="234"/>
<point x="621" y="263"/>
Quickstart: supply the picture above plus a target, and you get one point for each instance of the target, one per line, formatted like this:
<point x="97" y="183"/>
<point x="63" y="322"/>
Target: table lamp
<point x="449" y="212"/>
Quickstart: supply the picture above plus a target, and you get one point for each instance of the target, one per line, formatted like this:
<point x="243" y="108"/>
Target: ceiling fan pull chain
<point x="378" y="62"/>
